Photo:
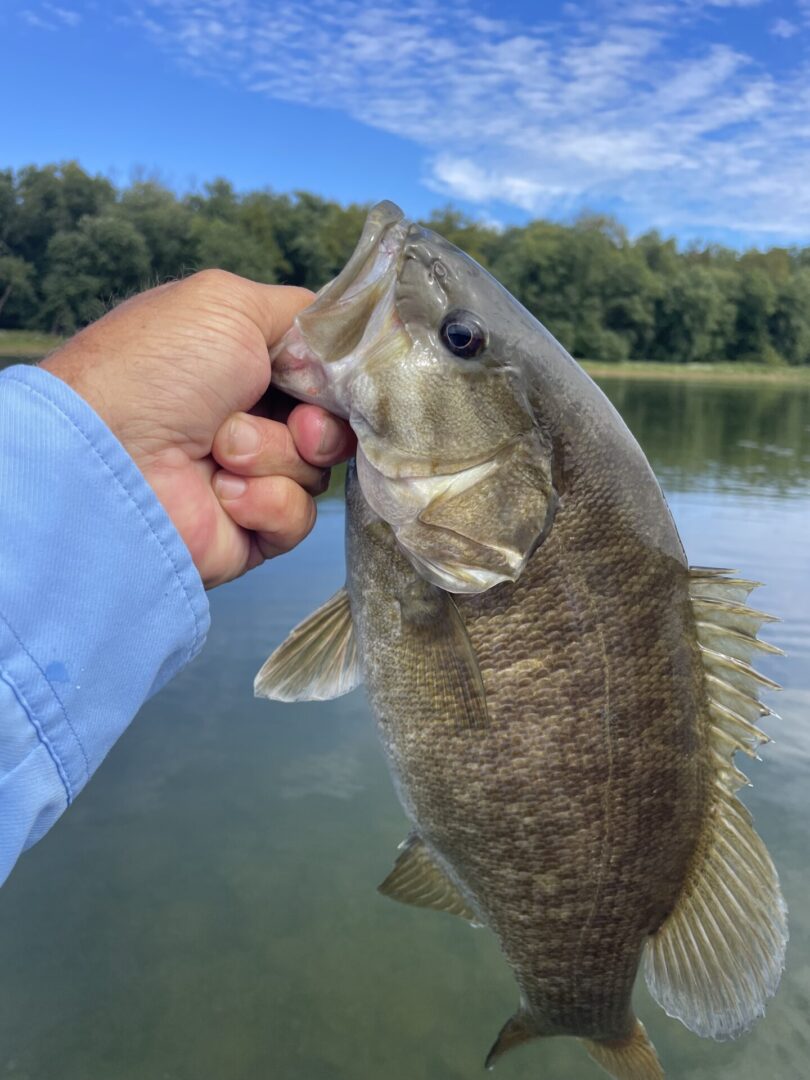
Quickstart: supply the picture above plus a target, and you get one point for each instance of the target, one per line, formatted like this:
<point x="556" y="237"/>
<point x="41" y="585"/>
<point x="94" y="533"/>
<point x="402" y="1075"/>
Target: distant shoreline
<point x="722" y="371"/>
<point x="26" y="344"/>
<point x="29" y="345"/>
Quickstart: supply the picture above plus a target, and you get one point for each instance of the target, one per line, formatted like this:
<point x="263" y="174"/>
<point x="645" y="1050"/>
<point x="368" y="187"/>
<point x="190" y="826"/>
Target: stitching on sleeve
<point x="122" y="485"/>
<point x="29" y="712"/>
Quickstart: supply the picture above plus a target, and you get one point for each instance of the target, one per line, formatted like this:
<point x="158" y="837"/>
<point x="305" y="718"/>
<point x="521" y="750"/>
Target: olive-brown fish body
<point x="560" y="696"/>
<point x="593" y="680"/>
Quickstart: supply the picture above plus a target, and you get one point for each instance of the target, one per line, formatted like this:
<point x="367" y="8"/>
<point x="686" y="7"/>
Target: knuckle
<point x="210" y="280"/>
<point x="278" y="451"/>
<point x="293" y="513"/>
<point x="283" y="499"/>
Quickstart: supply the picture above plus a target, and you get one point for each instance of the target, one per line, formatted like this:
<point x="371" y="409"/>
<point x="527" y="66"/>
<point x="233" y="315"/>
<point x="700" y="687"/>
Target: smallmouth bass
<point x="559" y="694"/>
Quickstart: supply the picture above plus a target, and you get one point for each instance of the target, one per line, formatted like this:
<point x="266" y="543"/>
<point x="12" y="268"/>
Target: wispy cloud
<point x="783" y="28"/>
<point x="47" y="16"/>
<point x="650" y="106"/>
<point x="32" y="18"/>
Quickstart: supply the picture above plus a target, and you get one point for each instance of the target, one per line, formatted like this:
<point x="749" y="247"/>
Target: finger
<point x="250" y="446"/>
<point x="275" y="508"/>
<point x="320" y="437"/>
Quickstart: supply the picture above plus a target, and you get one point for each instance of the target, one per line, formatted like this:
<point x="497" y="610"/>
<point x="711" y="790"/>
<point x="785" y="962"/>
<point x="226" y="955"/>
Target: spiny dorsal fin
<point x="719" y="955"/>
<point x="633" y="1058"/>
<point x="727" y="635"/>
<point x="318" y="660"/>
<point x="417" y="879"/>
<point x="516" y="1031"/>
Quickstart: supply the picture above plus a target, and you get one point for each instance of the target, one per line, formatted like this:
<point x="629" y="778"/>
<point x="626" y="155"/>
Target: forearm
<point x="100" y="603"/>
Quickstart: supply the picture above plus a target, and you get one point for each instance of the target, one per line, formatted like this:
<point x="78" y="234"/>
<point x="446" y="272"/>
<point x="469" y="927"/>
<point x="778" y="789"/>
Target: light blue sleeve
<point x="100" y="603"/>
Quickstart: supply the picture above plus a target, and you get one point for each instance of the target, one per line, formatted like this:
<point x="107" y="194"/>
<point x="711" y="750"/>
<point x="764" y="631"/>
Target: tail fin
<point x="631" y="1058"/>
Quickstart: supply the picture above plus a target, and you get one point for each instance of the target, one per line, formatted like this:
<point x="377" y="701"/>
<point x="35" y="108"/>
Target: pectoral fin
<point x="418" y="880"/>
<point x="719" y="955"/>
<point x="319" y="659"/>
<point x="445" y="665"/>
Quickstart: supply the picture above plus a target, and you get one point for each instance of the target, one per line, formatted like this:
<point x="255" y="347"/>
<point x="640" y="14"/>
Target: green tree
<point x="17" y="294"/>
<point x="70" y="243"/>
<point x="167" y="226"/>
<point x="8" y="203"/>
<point x="229" y="245"/>
<point x="317" y="237"/>
<point x="219" y="201"/>
<point x="479" y="241"/>
<point x="53" y="199"/>
<point x="694" y="317"/>
<point x="789" y="325"/>
<point x="104" y="259"/>
<point x="532" y="263"/>
<point x="756" y="307"/>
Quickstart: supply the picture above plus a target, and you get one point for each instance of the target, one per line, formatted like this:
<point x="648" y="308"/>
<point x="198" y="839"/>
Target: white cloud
<point x="729" y="3"/>
<point x="50" y="17"/>
<point x="783" y="28"/>
<point x="64" y="15"/>
<point x="34" y="20"/>
<point x="609" y="103"/>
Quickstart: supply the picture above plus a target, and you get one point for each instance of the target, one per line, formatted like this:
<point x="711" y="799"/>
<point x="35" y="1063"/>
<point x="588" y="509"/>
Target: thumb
<point x="271" y="307"/>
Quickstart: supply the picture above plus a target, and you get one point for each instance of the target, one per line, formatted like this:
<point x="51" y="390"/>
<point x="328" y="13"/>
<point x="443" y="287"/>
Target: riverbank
<point x="32" y="345"/>
<point x="26" y="344"/>
<point x="719" y="372"/>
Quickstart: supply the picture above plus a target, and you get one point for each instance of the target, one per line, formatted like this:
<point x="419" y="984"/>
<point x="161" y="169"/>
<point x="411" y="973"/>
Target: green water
<point x="207" y="910"/>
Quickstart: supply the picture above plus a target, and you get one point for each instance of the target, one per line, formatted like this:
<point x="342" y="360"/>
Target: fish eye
<point x="462" y="334"/>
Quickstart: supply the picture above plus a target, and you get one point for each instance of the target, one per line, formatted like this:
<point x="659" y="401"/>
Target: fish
<point x="559" y="694"/>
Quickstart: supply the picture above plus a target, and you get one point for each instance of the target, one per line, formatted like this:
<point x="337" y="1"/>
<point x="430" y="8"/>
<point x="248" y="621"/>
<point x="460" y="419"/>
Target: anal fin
<point x="318" y="660"/>
<point x="632" y="1058"/>
<point x="418" y="880"/>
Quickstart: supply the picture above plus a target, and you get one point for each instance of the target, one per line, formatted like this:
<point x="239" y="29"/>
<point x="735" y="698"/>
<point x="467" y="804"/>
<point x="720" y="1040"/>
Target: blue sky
<point x="690" y="116"/>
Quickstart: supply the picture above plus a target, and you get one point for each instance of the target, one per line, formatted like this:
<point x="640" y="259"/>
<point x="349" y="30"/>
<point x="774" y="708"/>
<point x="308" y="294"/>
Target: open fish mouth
<point x="376" y="253"/>
<point x="349" y="315"/>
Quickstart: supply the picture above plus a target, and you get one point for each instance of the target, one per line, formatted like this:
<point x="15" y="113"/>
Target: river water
<point x="207" y="909"/>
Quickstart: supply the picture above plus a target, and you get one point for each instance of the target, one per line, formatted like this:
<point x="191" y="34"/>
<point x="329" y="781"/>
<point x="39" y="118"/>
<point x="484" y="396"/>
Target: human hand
<point x="174" y="373"/>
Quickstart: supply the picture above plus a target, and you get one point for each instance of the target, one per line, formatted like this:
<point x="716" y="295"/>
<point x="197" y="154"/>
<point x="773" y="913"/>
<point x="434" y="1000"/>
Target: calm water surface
<point x="207" y="910"/>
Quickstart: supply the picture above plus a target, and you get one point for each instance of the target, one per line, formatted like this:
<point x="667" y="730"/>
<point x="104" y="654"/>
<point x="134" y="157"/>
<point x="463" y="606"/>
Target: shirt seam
<point x="37" y="726"/>
<point x="122" y="485"/>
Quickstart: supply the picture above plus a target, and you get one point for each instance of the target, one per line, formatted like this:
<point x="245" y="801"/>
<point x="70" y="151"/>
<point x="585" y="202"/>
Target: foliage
<point x="72" y="244"/>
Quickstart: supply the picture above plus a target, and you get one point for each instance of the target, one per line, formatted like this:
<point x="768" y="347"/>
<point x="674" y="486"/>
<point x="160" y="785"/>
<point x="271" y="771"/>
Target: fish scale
<point x="560" y="697"/>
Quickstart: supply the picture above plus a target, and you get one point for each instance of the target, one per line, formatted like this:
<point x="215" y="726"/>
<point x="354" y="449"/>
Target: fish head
<point x="420" y="349"/>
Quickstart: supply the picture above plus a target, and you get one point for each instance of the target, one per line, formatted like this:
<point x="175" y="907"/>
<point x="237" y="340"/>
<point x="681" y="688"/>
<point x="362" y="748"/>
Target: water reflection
<point x="733" y="438"/>
<point x="207" y="909"/>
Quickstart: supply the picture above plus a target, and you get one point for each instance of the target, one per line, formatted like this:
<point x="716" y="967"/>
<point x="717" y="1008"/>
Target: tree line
<point x="72" y="244"/>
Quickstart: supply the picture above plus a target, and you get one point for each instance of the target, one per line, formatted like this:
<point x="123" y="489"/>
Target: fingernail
<point x="243" y="437"/>
<point x="229" y="487"/>
<point x="331" y="436"/>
